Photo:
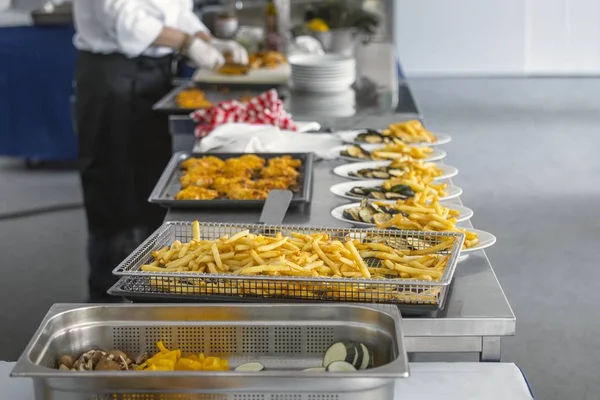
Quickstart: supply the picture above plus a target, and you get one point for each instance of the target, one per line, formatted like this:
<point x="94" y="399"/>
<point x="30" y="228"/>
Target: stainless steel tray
<point x="426" y="294"/>
<point x="168" y="185"/>
<point x="215" y="93"/>
<point x="285" y="338"/>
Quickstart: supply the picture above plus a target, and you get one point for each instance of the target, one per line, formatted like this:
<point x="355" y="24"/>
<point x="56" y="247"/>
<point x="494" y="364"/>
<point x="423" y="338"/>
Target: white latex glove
<point x="238" y="52"/>
<point x="204" y="55"/>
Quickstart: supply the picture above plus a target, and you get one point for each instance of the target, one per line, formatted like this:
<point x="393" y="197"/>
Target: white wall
<point x="498" y="37"/>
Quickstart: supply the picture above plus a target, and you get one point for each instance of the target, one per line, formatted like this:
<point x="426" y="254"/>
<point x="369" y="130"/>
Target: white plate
<point x="329" y="83"/>
<point x="338" y="213"/>
<point x="486" y="240"/>
<point x="322" y="60"/>
<point x="333" y="81"/>
<point x="322" y="88"/>
<point x="341" y="189"/>
<point x="344" y="170"/>
<point x="335" y="152"/>
<point x="350" y="137"/>
<point x="322" y="73"/>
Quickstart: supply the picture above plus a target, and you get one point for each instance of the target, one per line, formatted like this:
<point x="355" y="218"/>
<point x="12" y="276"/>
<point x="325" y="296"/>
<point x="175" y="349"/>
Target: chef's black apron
<point x="123" y="148"/>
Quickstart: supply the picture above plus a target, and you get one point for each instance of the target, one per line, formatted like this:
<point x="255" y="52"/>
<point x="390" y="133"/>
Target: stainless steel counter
<point x="477" y="314"/>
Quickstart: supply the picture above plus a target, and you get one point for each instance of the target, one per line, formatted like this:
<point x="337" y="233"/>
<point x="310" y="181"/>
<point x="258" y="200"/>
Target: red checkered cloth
<point x="266" y="109"/>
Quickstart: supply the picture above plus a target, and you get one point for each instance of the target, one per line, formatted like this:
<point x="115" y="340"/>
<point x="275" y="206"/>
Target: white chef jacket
<point x="130" y="26"/>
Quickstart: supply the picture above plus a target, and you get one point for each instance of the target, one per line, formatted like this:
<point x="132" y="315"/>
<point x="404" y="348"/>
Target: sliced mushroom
<point x="107" y="365"/>
<point x="67" y="361"/>
<point x="116" y="354"/>
<point x="63" y="367"/>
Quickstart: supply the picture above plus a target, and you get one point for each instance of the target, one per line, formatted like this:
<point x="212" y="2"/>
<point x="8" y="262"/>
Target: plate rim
<point x="493" y="240"/>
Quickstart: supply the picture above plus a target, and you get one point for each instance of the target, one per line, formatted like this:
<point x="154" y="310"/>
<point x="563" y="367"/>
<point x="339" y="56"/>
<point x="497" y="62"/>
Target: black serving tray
<point x="168" y="185"/>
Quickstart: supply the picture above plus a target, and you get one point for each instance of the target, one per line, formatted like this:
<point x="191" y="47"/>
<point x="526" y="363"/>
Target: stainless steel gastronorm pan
<point x="286" y="338"/>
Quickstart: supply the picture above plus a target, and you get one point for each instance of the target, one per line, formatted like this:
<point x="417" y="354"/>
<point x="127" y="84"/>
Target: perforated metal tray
<point x="168" y="185"/>
<point x="429" y="295"/>
<point x="285" y="338"/>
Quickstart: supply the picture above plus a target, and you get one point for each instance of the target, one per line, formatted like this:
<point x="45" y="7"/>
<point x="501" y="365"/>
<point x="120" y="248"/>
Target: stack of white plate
<point x="322" y="73"/>
<point x="338" y="104"/>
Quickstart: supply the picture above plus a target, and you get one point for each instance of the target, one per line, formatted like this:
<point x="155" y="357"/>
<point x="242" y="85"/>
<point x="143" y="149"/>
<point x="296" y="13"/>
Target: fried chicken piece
<point x="239" y="193"/>
<point x="194" y="179"/>
<point x="234" y="167"/>
<point x="225" y="184"/>
<point x="253" y="161"/>
<point x="206" y="163"/>
<point x="276" y="171"/>
<point x="197" y="193"/>
<point x="285" y="161"/>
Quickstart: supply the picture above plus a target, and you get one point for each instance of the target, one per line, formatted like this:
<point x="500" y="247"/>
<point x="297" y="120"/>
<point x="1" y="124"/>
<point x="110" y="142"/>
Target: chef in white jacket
<point x="126" y="52"/>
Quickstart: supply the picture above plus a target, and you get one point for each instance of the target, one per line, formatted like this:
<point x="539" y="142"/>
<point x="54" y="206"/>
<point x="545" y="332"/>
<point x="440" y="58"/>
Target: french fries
<point x="420" y="214"/>
<point x="411" y="131"/>
<point x="298" y="255"/>
<point x="401" y="151"/>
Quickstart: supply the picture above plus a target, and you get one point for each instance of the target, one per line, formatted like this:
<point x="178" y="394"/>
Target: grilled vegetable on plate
<point x="393" y="190"/>
<point x="368" y="214"/>
<point x="394" y="169"/>
<point x="386" y="136"/>
<point x="390" y="152"/>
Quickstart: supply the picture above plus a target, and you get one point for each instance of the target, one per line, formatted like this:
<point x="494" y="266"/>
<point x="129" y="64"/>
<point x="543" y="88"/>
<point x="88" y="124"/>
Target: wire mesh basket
<point x="285" y="338"/>
<point x="245" y="287"/>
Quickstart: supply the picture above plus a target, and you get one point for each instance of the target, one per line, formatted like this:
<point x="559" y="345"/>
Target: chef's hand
<point x="237" y="52"/>
<point x="204" y="55"/>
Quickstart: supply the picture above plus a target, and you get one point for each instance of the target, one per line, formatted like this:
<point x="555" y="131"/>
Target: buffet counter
<point x="376" y="351"/>
<point x="476" y="314"/>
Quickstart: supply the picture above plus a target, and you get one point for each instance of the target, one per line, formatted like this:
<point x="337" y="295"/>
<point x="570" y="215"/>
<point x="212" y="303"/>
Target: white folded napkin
<point x="248" y="138"/>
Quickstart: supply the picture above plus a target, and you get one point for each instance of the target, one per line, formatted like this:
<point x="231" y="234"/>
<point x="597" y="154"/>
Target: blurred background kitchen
<point x="514" y="81"/>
